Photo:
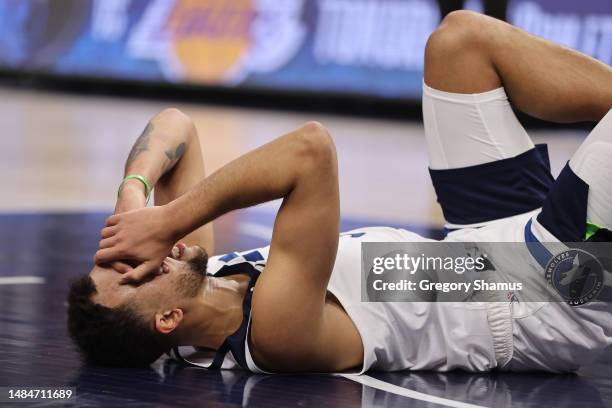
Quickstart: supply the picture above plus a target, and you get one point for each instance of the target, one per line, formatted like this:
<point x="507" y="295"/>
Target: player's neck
<point x="217" y="312"/>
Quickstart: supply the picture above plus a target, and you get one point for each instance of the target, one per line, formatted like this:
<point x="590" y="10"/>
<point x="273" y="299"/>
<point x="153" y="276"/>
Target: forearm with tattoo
<point x="141" y="145"/>
<point x="160" y="146"/>
<point x="174" y="156"/>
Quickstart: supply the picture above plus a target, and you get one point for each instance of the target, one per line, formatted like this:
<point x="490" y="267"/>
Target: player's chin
<point x="190" y="283"/>
<point x="198" y="263"/>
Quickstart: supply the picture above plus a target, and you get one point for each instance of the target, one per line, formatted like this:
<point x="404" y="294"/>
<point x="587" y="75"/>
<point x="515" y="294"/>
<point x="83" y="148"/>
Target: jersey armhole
<point x="252" y="366"/>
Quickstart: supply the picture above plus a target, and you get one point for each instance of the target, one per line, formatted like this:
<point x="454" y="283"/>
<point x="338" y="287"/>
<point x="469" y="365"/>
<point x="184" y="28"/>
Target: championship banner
<point x="368" y="48"/>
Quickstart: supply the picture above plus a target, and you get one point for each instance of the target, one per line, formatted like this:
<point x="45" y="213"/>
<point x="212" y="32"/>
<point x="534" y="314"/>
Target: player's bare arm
<point x="293" y="289"/>
<point x="168" y="154"/>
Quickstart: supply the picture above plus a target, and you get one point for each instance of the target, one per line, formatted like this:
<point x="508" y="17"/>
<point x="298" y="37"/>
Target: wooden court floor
<point x="61" y="159"/>
<point x="66" y="153"/>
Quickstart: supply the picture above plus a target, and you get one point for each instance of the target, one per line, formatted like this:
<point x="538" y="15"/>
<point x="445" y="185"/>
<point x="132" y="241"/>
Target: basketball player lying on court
<point x="295" y="305"/>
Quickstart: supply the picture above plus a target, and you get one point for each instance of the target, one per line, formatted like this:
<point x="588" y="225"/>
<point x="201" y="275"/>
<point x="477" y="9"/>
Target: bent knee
<point x="458" y="31"/>
<point x="461" y="18"/>
<point x="459" y="54"/>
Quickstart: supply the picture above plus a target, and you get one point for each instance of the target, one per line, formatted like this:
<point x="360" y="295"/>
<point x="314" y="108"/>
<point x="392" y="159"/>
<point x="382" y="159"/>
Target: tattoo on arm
<point x="173" y="157"/>
<point x="141" y="145"/>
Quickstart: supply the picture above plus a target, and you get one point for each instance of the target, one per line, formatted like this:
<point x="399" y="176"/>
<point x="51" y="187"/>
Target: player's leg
<point x="475" y="142"/>
<point x="593" y="164"/>
<point x="469" y="123"/>
<point x="186" y="174"/>
<point x="468" y="118"/>
<point x="579" y="204"/>
<point x="474" y="53"/>
<point x="578" y="208"/>
<point x="471" y="53"/>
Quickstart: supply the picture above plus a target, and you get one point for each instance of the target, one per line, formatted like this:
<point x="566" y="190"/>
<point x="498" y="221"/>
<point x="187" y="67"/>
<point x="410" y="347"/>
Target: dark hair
<point x="110" y="336"/>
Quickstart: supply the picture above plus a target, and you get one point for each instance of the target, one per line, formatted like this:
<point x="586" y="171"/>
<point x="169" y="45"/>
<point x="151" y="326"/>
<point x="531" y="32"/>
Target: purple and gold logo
<point x="219" y="41"/>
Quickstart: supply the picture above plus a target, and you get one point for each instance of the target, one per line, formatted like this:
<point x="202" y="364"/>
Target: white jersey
<point x="442" y="336"/>
<point x="410" y="335"/>
<point x="395" y="336"/>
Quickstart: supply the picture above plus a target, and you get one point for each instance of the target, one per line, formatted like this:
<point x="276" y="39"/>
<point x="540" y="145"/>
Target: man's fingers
<point x="139" y="273"/>
<point x="112" y="220"/>
<point x="108" y="242"/>
<point x="108" y="232"/>
<point x="121" y="267"/>
<point x="106" y="256"/>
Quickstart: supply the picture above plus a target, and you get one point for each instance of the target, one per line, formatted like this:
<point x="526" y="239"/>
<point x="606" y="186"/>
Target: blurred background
<point x="79" y="79"/>
<point x="368" y="49"/>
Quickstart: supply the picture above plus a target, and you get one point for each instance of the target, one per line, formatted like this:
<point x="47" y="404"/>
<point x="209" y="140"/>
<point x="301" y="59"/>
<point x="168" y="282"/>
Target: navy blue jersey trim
<point x="535" y="247"/>
<point x="495" y="190"/>
<point x="564" y="213"/>
<point x="543" y="256"/>
<point x="235" y="343"/>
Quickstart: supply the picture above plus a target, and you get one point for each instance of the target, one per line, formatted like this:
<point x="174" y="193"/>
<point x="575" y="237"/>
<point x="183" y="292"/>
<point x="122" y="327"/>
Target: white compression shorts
<point x="465" y="130"/>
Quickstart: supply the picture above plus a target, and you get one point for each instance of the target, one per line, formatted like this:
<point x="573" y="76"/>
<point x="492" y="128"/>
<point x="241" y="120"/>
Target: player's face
<point x="180" y="279"/>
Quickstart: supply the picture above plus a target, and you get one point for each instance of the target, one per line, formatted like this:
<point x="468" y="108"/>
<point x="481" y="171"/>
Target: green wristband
<point x="140" y="178"/>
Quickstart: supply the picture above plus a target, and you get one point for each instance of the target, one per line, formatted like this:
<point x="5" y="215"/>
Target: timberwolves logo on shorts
<point x="576" y="275"/>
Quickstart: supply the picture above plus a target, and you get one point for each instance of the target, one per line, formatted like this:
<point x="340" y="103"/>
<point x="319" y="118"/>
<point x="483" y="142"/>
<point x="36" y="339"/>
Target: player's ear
<point x="168" y="320"/>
